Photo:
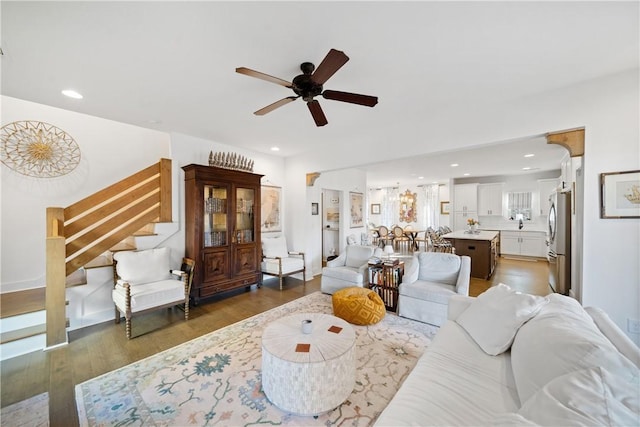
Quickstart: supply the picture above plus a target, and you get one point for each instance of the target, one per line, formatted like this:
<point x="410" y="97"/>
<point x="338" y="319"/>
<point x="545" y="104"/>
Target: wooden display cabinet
<point x="222" y="233"/>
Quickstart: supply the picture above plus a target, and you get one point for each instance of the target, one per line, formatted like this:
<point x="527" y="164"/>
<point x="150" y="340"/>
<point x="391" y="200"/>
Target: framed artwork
<point x="444" y="208"/>
<point x="271" y="199"/>
<point x="314" y="209"/>
<point x="620" y="194"/>
<point x="355" y="210"/>
<point x="375" y="209"/>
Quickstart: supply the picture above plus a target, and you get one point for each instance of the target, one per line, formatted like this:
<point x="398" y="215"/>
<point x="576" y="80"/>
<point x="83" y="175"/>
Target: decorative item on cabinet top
<point x="38" y="149"/>
<point x="231" y="161"/>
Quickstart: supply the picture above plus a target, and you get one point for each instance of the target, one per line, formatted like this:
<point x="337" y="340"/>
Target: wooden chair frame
<point x="186" y="276"/>
<point x="282" y="275"/>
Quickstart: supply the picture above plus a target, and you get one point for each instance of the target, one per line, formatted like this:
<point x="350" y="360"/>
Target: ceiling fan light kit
<point x="310" y="83"/>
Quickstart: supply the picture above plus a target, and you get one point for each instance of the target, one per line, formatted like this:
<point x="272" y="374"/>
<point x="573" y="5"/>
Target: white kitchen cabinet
<point x="490" y="199"/>
<point x="523" y="243"/>
<point x="465" y="204"/>
<point x="465" y="197"/>
<point x="545" y="188"/>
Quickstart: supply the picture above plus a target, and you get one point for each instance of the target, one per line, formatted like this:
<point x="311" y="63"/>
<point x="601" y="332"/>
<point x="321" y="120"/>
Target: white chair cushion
<point x="149" y="295"/>
<point x="593" y="396"/>
<point x="428" y="291"/>
<point x="561" y="338"/>
<point x="139" y="267"/>
<point x="438" y="267"/>
<point x="289" y="264"/>
<point x="347" y="274"/>
<point x="275" y="247"/>
<point x="358" y="255"/>
<point x="495" y="316"/>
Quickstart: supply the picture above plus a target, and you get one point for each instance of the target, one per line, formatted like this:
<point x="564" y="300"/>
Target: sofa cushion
<point x="453" y="383"/>
<point x="428" y="291"/>
<point x="275" y="247"/>
<point x="592" y="396"/>
<point x="289" y="264"/>
<point x="438" y="267"/>
<point x="357" y="255"/>
<point x="561" y="338"/>
<point x="139" y="267"/>
<point x="495" y="316"/>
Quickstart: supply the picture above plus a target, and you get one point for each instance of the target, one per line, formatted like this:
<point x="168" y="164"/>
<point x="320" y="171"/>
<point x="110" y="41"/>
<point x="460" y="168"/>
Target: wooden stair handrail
<point x="84" y="230"/>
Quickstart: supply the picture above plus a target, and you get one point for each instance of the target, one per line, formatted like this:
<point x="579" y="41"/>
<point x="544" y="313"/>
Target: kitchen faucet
<point x="520" y="224"/>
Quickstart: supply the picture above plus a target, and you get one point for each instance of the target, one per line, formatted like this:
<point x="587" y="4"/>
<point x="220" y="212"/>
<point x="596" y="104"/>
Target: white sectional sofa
<point x="555" y="364"/>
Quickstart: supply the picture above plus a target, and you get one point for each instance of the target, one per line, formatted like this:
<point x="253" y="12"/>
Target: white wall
<point x="110" y="151"/>
<point x="608" y="109"/>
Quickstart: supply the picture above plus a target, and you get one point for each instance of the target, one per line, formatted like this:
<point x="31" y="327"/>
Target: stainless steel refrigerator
<point x="559" y="255"/>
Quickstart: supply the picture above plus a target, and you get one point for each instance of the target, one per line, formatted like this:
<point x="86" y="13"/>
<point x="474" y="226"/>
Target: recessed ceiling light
<point x="526" y="168"/>
<point x="453" y="165"/>
<point x="421" y="177"/>
<point x="529" y="155"/>
<point x="466" y="174"/>
<point x="71" y="94"/>
<point x="275" y="148"/>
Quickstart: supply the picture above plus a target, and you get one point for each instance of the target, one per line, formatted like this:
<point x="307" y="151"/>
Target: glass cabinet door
<point x="215" y="216"/>
<point x="245" y="200"/>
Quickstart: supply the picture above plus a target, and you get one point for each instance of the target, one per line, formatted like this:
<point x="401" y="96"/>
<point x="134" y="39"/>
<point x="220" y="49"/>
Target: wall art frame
<point x="444" y="208"/>
<point x="620" y="194"/>
<point x="356" y="212"/>
<point x="375" y="208"/>
<point x="314" y="209"/>
<point x="270" y="208"/>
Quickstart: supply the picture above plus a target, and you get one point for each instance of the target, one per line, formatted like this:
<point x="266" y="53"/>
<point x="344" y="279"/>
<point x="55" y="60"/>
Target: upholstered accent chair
<point x="278" y="261"/>
<point x="429" y="281"/>
<point x="349" y="269"/>
<point x="144" y="281"/>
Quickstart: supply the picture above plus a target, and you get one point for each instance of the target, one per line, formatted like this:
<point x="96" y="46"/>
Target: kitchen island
<point x="481" y="246"/>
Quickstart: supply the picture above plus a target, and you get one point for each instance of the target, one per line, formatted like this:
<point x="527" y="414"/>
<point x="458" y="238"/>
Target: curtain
<point x="390" y="206"/>
<point x="431" y="208"/>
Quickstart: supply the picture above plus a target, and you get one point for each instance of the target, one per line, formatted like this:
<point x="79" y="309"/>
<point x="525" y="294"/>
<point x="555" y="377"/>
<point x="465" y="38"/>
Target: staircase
<point x="81" y="237"/>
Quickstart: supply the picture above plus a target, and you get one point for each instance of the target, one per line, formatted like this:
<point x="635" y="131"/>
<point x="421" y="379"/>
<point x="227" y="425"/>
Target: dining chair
<point x="399" y="238"/>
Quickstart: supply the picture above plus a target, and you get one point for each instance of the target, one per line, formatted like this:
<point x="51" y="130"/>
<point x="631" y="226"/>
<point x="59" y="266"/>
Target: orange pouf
<point x="359" y="306"/>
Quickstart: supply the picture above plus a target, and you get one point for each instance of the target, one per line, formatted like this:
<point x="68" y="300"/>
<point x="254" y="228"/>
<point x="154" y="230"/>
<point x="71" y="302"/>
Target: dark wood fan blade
<point x="257" y="74"/>
<point x="277" y="104"/>
<point x="329" y="65"/>
<point x="354" y="98"/>
<point x="317" y="113"/>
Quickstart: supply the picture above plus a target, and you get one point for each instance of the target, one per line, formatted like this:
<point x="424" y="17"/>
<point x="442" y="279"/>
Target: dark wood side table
<point x="384" y="278"/>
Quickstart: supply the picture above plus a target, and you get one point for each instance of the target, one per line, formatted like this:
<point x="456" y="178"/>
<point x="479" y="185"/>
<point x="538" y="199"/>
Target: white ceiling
<point x="170" y="66"/>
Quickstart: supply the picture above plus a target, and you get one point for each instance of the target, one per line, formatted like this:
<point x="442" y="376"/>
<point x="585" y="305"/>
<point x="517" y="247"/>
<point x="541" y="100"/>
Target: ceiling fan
<point x="308" y="85"/>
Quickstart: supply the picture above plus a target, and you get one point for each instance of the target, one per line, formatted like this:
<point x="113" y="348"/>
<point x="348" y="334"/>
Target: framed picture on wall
<point x="355" y="210"/>
<point x="444" y="208"/>
<point x="375" y="209"/>
<point x="620" y="194"/>
<point x="270" y="208"/>
<point x="314" y="209"/>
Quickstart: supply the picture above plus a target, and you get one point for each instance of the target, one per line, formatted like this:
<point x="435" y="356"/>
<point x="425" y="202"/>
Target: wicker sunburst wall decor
<point x="38" y="149"/>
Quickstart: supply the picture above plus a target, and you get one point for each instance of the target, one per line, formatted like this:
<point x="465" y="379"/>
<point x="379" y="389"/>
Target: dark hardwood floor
<point x="98" y="349"/>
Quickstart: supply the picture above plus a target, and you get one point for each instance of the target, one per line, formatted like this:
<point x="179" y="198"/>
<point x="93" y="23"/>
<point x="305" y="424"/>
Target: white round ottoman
<point x="308" y="374"/>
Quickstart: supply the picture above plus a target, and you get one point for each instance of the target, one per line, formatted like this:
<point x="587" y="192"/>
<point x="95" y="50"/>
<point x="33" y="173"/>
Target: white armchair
<point x="429" y="281"/>
<point x="278" y="261"/>
<point x="349" y="269"/>
<point x="144" y="281"/>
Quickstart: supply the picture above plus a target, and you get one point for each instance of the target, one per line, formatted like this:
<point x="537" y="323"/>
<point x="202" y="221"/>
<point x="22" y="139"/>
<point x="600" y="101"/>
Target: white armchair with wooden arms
<point x="278" y="261"/>
<point x="144" y="281"/>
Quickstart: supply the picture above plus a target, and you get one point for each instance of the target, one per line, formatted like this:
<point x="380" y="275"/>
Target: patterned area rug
<point x="32" y="412"/>
<point x="215" y="379"/>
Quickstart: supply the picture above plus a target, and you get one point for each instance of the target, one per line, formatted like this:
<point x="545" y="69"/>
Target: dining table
<point x="412" y="235"/>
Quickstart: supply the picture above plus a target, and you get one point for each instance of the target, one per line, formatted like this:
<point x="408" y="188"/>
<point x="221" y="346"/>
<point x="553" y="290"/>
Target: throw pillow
<point x="146" y="266"/>
<point x="493" y="319"/>
<point x="275" y="247"/>
<point x="593" y="396"/>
